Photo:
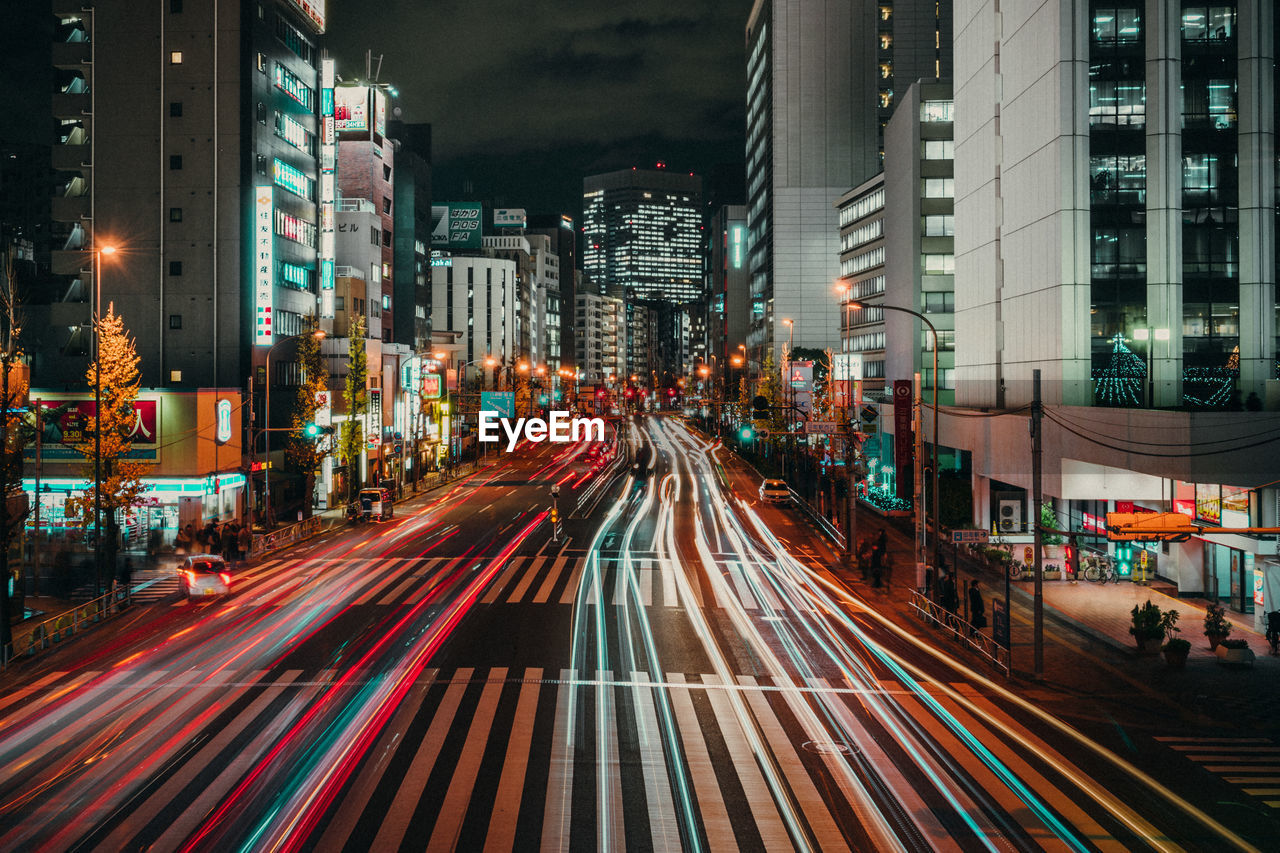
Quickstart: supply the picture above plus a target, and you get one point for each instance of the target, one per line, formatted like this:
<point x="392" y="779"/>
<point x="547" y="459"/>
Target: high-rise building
<point x="476" y="295"/>
<point x="564" y="242"/>
<point x="820" y="89"/>
<point x="727" y="300"/>
<point x="188" y="138"/>
<point x="411" y="243"/>
<point x="600" y="337"/>
<point x="1115" y="230"/>
<point x="642" y="231"/>
<point x="862" y="275"/>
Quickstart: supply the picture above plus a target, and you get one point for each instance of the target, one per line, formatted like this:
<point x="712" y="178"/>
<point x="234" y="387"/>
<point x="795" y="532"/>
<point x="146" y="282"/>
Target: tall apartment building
<point x="600" y="337"/>
<point x="642" y="231"/>
<point x="564" y="242"/>
<point x="188" y="137"/>
<point x="476" y="296"/>
<point x="537" y="307"/>
<point x="862" y="274"/>
<point x="820" y="89"/>
<point x="1115" y="229"/>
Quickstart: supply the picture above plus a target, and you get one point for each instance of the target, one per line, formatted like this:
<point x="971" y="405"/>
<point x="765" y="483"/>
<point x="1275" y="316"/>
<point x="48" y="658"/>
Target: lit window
<point x="175" y="57"/>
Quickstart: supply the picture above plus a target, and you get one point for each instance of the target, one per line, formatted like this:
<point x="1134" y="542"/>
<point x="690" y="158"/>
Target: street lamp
<point x="97" y="414"/>
<point x="318" y="334"/>
<point x="937" y="522"/>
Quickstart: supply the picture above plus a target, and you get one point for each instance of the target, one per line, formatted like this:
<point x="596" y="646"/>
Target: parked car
<point x="205" y="576"/>
<point x="775" y="492"/>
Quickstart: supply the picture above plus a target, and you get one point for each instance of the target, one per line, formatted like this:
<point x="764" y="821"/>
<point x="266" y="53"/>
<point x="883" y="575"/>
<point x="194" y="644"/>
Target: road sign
<point x="961" y="537"/>
<point x="1028" y="555"/>
<point x="821" y="428"/>
<point x="502" y="402"/>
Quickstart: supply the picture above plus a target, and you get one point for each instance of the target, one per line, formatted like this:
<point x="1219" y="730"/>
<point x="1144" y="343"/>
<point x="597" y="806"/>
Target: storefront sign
<point x="222" y="416"/>
<point x="903" y="437"/>
<point x="263" y="265"/>
<point x="431" y="386"/>
<point x="1208" y="503"/>
<point x="324" y="411"/>
<point x="75" y="426"/>
<point x="1235" y="507"/>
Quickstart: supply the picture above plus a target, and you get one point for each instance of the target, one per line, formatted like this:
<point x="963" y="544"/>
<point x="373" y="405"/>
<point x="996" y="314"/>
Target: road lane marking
<point x="388" y="573"/>
<point x="448" y="828"/>
<point x="571" y="588"/>
<point x="498" y="584"/>
<point x="506" y="805"/>
<point x="812" y="806"/>
<point x="137" y="818"/>
<point x="535" y="566"/>
<point x="544" y="591"/>
<point x="396" y="821"/>
<point x="706" y="788"/>
<point x="556" y="824"/>
<point x="664" y="823"/>
<point x="399" y="590"/>
<point x="763" y="809"/>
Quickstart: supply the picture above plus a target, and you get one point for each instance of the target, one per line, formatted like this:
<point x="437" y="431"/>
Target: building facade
<point x="642" y="231"/>
<point x="600" y="338"/>
<point x="728" y="305"/>
<point x="861" y="213"/>
<point x="476" y="296"/>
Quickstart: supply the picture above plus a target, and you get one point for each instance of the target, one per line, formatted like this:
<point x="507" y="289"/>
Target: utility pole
<point x="1037" y="501"/>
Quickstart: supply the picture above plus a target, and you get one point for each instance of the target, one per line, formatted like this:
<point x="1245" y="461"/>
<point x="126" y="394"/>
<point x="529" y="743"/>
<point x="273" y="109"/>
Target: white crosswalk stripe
<point x="1253" y="763"/>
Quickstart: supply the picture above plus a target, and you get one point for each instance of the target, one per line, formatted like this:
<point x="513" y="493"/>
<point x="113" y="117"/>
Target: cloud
<point x="502" y="77"/>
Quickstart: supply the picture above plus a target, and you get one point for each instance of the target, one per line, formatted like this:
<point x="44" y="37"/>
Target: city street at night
<point x="674" y="675"/>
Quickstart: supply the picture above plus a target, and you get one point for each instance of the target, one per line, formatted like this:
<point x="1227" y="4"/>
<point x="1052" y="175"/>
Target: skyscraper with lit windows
<point x="643" y="232"/>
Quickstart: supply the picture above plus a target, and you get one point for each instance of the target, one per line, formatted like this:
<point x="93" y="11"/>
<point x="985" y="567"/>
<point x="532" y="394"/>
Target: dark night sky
<point x="526" y="98"/>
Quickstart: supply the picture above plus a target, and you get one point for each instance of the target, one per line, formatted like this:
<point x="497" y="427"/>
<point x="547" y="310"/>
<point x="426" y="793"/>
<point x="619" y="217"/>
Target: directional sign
<point x="821" y="428"/>
<point x="502" y="402"/>
<point x="961" y="537"/>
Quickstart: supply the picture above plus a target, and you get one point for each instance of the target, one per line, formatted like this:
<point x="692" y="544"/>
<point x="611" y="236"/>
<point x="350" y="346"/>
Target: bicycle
<point x="1099" y="570"/>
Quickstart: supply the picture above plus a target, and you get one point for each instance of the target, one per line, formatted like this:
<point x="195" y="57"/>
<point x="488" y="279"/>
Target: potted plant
<point x="1149" y="625"/>
<point x="1052" y="572"/>
<point x="1052" y="543"/>
<point x="1176" y="651"/>
<point x="1216" y="626"/>
<point x="1234" y="652"/>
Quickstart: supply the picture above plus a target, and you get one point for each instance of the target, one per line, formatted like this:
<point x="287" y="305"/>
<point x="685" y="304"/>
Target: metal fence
<point x="933" y="614"/>
<point x="286" y="536"/>
<point x="43" y="635"/>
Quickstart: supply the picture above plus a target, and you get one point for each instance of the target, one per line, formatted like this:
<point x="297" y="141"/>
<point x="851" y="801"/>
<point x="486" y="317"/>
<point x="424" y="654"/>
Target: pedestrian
<point x="877" y="565"/>
<point x="977" y="609"/>
<point x="882" y="540"/>
<point x="182" y="542"/>
<point x="244" y="541"/>
<point x="886" y="570"/>
<point x="212" y="541"/>
<point x="126" y="571"/>
<point x="863" y="557"/>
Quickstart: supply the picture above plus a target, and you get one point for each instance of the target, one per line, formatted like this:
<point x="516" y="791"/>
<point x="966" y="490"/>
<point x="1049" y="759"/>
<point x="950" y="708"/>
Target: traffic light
<point x="746" y="434"/>
<point x="313" y="430"/>
<point x="555" y="516"/>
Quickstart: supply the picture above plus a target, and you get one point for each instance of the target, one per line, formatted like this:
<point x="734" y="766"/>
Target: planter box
<point x="1235" y="657"/>
<point x="1053" y="574"/>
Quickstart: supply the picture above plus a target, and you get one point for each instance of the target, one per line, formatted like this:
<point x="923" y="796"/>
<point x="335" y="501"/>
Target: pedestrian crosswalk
<point x="153" y="585"/>
<point x="501" y="759"/>
<point x="1253" y="763"/>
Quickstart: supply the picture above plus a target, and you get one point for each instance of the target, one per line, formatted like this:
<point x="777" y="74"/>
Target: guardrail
<point x="286" y="536"/>
<point x="66" y="625"/>
<point x="933" y="614"/>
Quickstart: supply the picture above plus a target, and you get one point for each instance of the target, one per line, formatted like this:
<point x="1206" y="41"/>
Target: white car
<point x="775" y="492"/>
<point x="205" y="576"/>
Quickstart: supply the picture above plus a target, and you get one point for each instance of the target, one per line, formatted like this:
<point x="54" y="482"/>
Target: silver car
<point x="775" y="492"/>
<point x="205" y="576"/>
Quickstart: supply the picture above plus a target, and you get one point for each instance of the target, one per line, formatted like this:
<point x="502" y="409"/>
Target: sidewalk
<point x="1103" y="611"/>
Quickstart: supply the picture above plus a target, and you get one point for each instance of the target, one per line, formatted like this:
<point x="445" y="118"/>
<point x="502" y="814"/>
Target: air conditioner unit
<point x="1010" y="520"/>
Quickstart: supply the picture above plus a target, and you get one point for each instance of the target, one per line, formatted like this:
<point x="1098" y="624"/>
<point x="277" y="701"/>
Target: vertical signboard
<point x="903" y="437"/>
<point x="263" y="265"/>
<point x="327" y="247"/>
<point x="380" y="112"/>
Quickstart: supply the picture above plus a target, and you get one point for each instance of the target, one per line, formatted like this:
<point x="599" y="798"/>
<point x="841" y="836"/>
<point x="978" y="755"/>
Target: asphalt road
<point x="682" y="672"/>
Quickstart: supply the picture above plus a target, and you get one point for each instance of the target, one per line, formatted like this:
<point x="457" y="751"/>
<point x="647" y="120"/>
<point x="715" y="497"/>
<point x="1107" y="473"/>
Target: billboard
<point x="59" y="435"/>
<point x="351" y="108"/>
<point x="510" y="217"/>
<point x="313" y="10"/>
<point x="431" y="386"/>
<point x="455" y="226"/>
<point x="380" y="112"/>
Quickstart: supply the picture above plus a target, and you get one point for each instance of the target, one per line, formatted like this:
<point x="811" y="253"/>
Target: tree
<point x="302" y="454"/>
<point x="14" y="435"/>
<point x="771" y="388"/>
<point x="356" y="396"/>
<point x="120" y="485"/>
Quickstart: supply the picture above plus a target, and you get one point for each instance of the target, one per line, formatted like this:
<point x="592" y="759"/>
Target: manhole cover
<point x="828" y="747"/>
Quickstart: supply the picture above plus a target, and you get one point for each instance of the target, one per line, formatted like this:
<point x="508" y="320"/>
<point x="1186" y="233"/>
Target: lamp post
<point x="937" y="522"/>
<point x="97" y="414"/>
<point x="266" y="419"/>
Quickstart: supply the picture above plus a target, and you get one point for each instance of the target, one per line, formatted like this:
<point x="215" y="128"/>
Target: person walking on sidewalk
<point x="877" y="564"/>
<point x="977" y="608"/>
<point x="948" y="597"/>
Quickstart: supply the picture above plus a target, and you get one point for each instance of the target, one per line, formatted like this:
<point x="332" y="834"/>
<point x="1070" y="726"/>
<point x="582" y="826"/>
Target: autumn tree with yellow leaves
<point x="120" y="486"/>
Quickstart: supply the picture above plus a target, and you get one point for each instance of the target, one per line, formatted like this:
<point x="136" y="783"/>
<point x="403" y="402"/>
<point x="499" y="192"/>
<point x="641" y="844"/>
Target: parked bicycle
<point x="1098" y="569"/>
